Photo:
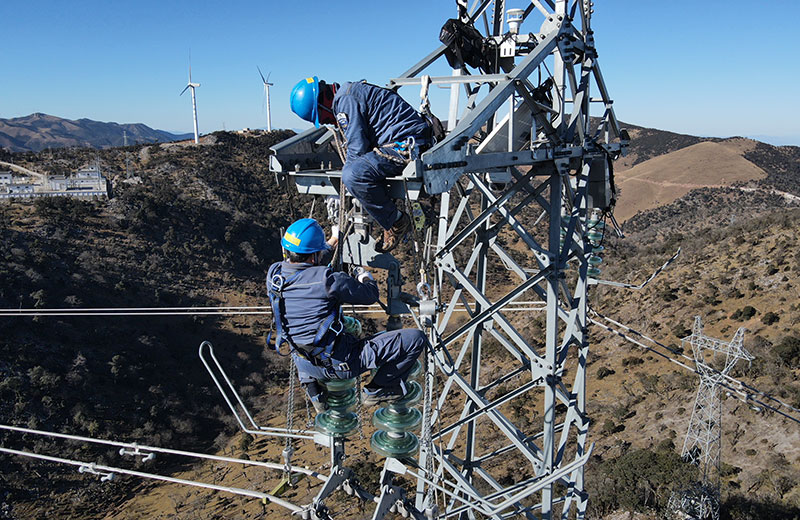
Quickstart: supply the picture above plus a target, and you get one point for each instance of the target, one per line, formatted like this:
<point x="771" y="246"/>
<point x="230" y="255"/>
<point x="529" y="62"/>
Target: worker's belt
<point x="314" y="355"/>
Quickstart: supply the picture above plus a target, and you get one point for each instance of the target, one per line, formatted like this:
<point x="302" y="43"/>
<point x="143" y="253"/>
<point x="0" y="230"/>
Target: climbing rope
<point x="427" y="438"/>
<point x="341" y="144"/>
<point x="359" y="408"/>
<point x="289" y="446"/>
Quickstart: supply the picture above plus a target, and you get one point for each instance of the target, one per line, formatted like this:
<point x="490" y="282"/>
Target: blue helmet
<point x="304" y="99"/>
<point x="304" y="236"/>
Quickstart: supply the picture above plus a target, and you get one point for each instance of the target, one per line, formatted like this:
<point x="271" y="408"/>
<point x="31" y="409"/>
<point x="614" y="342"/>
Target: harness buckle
<point x="277" y="282"/>
<point x="343" y="367"/>
<point x="341" y="327"/>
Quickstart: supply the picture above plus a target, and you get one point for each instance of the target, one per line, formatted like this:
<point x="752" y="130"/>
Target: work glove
<point x="362" y="275"/>
<point x="332" y="206"/>
<point x="335" y="230"/>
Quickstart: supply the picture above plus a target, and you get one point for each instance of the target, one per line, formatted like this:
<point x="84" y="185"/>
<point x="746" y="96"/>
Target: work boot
<point x="393" y="236"/>
<point x="381" y="395"/>
<point x="316" y="394"/>
<point x="318" y="404"/>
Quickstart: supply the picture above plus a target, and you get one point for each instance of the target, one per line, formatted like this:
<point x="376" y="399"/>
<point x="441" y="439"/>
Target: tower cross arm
<point x="444" y="162"/>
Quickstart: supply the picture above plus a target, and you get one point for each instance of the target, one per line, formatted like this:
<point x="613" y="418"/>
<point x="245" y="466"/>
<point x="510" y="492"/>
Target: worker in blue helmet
<point x="381" y="132"/>
<point x="306" y="297"/>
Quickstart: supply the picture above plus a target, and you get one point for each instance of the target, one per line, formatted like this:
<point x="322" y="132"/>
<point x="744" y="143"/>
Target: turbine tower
<point x="267" y="84"/>
<point x="194" y="102"/>
<point x="714" y="360"/>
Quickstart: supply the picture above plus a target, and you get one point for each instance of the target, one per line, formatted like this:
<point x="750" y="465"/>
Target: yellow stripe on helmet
<point x="292" y="239"/>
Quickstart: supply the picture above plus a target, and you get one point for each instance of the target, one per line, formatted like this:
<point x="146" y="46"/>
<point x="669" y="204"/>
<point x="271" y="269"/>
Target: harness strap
<point x="276" y="286"/>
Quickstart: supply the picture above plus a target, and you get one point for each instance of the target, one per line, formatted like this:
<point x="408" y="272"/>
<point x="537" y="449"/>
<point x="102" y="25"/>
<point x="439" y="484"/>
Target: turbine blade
<point x="268" y="75"/>
<point x="261" y="74"/>
<point x="184" y="90"/>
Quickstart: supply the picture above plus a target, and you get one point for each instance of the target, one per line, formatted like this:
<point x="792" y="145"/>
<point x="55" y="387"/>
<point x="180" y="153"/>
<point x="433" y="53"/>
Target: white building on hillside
<point x="87" y="182"/>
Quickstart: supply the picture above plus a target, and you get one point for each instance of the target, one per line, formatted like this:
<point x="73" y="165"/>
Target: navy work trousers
<point x="365" y="178"/>
<point x="392" y="353"/>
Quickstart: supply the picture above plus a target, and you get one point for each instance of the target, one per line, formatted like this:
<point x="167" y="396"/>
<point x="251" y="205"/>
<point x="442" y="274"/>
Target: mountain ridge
<point x="39" y="131"/>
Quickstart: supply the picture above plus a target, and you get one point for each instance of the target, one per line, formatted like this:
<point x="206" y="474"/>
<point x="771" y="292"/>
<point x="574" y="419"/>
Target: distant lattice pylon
<point x="714" y="359"/>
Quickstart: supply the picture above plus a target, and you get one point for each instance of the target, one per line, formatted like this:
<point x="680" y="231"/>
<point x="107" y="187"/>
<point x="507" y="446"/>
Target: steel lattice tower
<point x="714" y="359"/>
<point x="545" y="156"/>
<point x="523" y="180"/>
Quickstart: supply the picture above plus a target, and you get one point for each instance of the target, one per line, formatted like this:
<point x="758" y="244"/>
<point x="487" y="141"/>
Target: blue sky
<point x="710" y="68"/>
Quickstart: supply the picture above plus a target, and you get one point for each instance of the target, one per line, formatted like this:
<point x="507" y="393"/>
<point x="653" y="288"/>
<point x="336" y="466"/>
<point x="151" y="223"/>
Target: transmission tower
<point x="523" y="180"/>
<point x="714" y="359"/>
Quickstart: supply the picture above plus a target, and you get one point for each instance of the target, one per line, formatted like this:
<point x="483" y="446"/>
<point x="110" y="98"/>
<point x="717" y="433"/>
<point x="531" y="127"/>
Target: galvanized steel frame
<point x="471" y="234"/>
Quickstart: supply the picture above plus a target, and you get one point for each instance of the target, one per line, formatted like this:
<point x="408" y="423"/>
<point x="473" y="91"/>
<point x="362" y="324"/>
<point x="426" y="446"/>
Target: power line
<point x="741" y="390"/>
<point x="143" y="450"/>
<point x="109" y="471"/>
<point x="216" y="311"/>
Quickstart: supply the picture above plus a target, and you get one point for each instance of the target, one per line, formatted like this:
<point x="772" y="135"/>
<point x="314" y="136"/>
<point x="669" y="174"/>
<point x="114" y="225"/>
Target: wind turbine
<point x="194" y="102"/>
<point x="267" y="84"/>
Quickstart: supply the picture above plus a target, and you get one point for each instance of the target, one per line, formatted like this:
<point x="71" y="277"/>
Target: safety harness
<point x="320" y="350"/>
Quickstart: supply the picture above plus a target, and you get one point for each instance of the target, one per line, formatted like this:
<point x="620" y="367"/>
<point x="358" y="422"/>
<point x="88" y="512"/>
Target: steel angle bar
<point x="509" y="262"/>
<point x="556" y="475"/>
<point x="449" y="80"/>
<point x="498" y="227"/>
<point x="540" y="7"/>
<point x="504" y="379"/>
<point x="499" y="304"/>
<point x="472" y="96"/>
<point x="468" y="488"/>
<point x="455" y="377"/>
<point x="498" y="161"/>
<point x="496" y="485"/>
<point x="484" y="215"/>
<point x="423" y="63"/>
<point x="450" y="147"/>
<point x="497" y="17"/>
<point x="509" y="346"/>
<point x="523" y="273"/>
<point x="152" y="476"/>
<point x="545" y="184"/>
<point x="570" y="335"/>
<point x="449" y="368"/>
<point x="574" y="417"/>
<point x="487" y="407"/>
<point x="577" y="201"/>
<point x="458" y="294"/>
<point x="509" y="447"/>
<point x="458" y="214"/>
<point x="478" y="8"/>
<point x="601" y="86"/>
<point x="533" y="486"/>
<point x="469" y="500"/>
<point x="502" y="321"/>
<point x="579" y="96"/>
<point x="531" y="452"/>
<point x="540" y="253"/>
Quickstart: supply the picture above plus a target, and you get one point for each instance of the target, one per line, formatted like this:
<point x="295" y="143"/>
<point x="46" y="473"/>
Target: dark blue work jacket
<point x="311" y="293"/>
<point x="372" y="116"/>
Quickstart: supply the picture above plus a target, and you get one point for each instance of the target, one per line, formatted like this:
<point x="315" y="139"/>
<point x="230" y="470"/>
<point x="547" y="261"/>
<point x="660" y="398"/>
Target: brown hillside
<point x="666" y="178"/>
<point x="201" y="228"/>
